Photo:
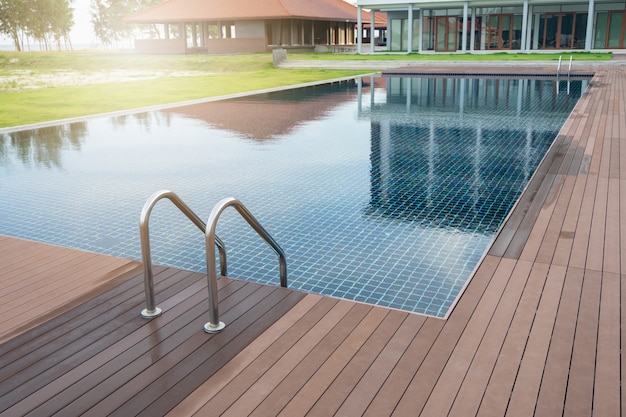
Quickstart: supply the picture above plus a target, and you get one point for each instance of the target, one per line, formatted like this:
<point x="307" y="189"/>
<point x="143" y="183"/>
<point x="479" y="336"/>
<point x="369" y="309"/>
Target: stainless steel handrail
<point x="144" y="234"/>
<point x="215" y="325"/>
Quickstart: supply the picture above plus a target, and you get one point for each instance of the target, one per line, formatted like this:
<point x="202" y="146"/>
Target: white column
<point x="420" y="36"/>
<point x="464" y="36"/>
<point x="589" y="37"/>
<point x="473" y="30"/>
<point x="409" y="47"/>
<point x="524" y="25"/>
<point x="359" y="28"/>
<point x="536" y="32"/>
<point x="373" y="28"/>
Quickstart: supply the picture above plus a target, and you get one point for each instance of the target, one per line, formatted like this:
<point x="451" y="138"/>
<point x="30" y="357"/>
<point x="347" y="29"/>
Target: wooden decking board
<point x="318" y="383"/>
<point x="528" y="380"/>
<point x="342" y="386"/>
<point x="554" y="382"/>
<point x="235" y="387"/>
<point x="496" y="398"/>
<point x="292" y="375"/>
<point x="547" y="242"/>
<point x="569" y="228"/>
<point x="417" y="393"/>
<point x="622" y="224"/>
<point x="274" y="389"/>
<point x="470" y="394"/>
<point x="57" y="357"/>
<point x="123" y="354"/>
<point x="611" y="256"/>
<point x="137" y="372"/>
<point x="579" y="396"/>
<point x="260" y="307"/>
<point x="57" y="344"/>
<point x="539" y="232"/>
<point x="84" y="312"/>
<point x="369" y="386"/>
<point x="198" y="398"/>
<point x="400" y="378"/>
<point x="607" y="379"/>
<point x="578" y="257"/>
<point x="442" y="397"/>
<point x="185" y="375"/>
<point x="595" y="248"/>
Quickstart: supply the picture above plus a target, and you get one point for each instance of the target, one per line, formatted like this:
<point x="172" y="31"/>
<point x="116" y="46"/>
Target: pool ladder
<point x="214" y="324"/>
<point x="569" y="72"/>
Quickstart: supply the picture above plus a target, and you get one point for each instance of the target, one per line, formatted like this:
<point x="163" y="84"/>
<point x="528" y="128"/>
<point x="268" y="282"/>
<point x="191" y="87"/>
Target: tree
<point x="12" y="19"/>
<point x="107" y="18"/>
<point x="44" y="21"/>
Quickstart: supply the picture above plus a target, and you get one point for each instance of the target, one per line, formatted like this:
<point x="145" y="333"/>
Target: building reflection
<point x="440" y="155"/>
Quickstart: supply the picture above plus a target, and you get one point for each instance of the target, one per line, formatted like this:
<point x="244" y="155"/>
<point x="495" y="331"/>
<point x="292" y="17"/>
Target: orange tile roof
<point x="213" y="10"/>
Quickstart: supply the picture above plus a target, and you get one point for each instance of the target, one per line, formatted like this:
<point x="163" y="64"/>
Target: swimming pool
<point x="384" y="190"/>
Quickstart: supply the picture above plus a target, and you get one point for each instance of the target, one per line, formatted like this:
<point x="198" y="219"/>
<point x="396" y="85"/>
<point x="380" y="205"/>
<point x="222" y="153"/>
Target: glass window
<point x="516" y="42"/>
<point x="396" y="34"/>
<point x="452" y="34"/>
<point x="427" y="31"/>
<point x="506" y="32"/>
<point x="615" y="30"/>
<point x="600" y="36"/>
<point x="580" y="31"/>
<point x="416" y="34"/>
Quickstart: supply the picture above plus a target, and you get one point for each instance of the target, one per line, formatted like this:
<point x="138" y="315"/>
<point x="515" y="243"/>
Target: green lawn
<point x="207" y="76"/>
<point x="498" y="56"/>
<point x="217" y="76"/>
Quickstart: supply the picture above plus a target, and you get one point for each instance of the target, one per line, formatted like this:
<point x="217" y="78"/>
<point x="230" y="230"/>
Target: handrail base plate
<point x="214" y="328"/>
<point x="150" y="314"/>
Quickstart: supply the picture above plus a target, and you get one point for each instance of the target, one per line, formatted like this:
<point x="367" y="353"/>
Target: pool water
<point x="384" y="190"/>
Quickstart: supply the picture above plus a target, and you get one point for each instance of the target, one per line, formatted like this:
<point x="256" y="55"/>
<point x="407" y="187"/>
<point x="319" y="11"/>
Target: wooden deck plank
<point x="556" y="372"/>
<point x="366" y="389"/>
<point x="342" y="386"/>
<point x="498" y="391"/>
<point x="470" y="394"/>
<point x="606" y="391"/>
<point x="193" y="402"/>
<point x="528" y="380"/>
<point x="548" y="243"/>
<point x="338" y="319"/>
<point x="442" y="397"/>
<point x="579" y="397"/>
<point x="238" y="385"/>
<point x="611" y="261"/>
<point x="396" y="384"/>
<point x="277" y="387"/>
<point x="417" y="393"/>
<point x="92" y="370"/>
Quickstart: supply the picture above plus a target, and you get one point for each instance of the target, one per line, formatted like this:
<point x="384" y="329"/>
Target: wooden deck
<point x="536" y="332"/>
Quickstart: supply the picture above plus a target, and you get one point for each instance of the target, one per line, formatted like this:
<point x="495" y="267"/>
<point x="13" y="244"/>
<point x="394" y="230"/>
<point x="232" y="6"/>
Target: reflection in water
<point x="149" y="121"/>
<point x="439" y="156"/>
<point x="43" y="146"/>
<point x="280" y="113"/>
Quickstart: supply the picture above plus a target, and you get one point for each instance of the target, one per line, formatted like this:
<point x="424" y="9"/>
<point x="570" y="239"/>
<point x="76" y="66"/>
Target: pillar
<point x="464" y="36"/>
<point x="524" y="25"/>
<point x="589" y="37"/>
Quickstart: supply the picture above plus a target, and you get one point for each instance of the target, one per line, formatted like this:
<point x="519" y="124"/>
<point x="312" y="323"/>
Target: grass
<point x="498" y="56"/>
<point x="221" y="75"/>
<point x="213" y="75"/>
